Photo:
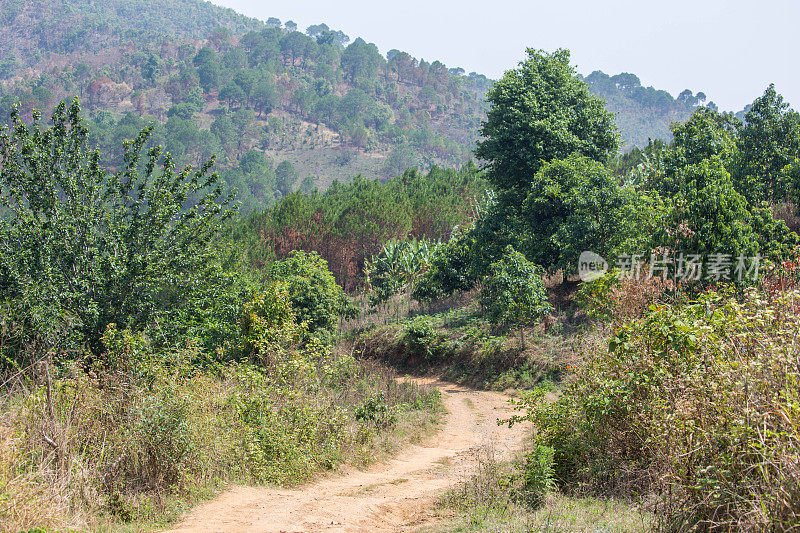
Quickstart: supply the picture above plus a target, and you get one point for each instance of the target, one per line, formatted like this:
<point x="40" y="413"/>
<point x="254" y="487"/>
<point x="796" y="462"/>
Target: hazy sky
<point x="730" y="49"/>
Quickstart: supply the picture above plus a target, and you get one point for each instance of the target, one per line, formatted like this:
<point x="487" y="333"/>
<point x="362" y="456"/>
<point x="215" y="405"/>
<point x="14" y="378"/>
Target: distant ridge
<point x="281" y="107"/>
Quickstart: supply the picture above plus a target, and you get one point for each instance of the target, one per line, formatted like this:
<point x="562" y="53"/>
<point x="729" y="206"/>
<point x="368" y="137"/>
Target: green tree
<point x="225" y="130"/>
<point x="208" y="71"/>
<point x="769" y="140"/>
<point x="576" y="204"/>
<point x="513" y="292"/>
<point x="708" y="216"/>
<point x="286" y="177"/>
<point x="264" y="97"/>
<point x="126" y="248"/>
<point x="707" y="134"/>
<point x="297" y="45"/>
<point x="361" y="60"/>
<point x="233" y="94"/>
<point x="308" y="185"/>
<point x="539" y="112"/>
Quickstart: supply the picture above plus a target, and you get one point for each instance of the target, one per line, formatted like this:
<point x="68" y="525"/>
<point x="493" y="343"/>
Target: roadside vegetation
<point x="664" y="385"/>
<point x="145" y="363"/>
<point x="156" y="345"/>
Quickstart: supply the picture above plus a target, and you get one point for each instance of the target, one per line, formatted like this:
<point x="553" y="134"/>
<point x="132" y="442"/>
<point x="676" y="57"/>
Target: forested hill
<point x="643" y="112"/>
<point x="281" y="107"/>
<point x="34" y="29"/>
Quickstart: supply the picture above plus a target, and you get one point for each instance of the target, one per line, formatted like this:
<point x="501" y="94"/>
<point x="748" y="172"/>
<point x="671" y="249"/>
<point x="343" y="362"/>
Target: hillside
<point x="282" y="109"/>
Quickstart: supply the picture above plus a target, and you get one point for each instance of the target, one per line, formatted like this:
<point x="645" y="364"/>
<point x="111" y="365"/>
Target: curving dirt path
<point x="397" y="495"/>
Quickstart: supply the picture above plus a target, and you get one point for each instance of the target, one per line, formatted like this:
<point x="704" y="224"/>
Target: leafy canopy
<point x="576" y="204"/>
<point x="513" y="292"/>
<point x="539" y="112"/>
<point x="130" y="248"/>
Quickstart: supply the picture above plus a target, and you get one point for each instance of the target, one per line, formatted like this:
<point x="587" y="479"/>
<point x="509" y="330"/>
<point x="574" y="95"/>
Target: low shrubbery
<point x="82" y="446"/>
<point x="695" y="406"/>
<point x="468" y="349"/>
<point x="514" y="496"/>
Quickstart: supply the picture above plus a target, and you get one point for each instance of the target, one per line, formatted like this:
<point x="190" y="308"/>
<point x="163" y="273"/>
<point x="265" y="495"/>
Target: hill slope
<point x="282" y="109"/>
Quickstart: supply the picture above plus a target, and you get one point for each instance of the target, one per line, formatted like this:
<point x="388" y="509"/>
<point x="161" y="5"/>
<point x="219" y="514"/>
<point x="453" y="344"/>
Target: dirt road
<point x="397" y="495"/>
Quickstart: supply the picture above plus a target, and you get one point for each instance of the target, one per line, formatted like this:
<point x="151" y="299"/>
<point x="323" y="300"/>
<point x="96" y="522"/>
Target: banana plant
<point x="397" y="268"/>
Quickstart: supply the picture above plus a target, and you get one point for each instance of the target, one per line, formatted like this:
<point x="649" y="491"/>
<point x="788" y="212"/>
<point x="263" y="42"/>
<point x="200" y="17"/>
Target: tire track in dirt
<point x="395" y="495"/>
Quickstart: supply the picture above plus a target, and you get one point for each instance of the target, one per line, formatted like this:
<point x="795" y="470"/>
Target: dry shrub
<point x="83" y="445"/>
<point x="615" y="299"/>
<point x="696" y="407"/>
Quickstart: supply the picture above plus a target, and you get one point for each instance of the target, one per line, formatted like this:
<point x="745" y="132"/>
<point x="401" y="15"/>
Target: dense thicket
<point x="348" y="223"/>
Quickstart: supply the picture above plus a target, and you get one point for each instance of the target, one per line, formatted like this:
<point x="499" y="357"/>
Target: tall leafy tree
<point x="129" y="248"/>
<point x="264" y="97"/>
<point x="208" y="71"/>
<point x="707" y="134"/>
<point x="769" y="140"/>
<point x="539" y="112"/>
<point x="576" y="204"/>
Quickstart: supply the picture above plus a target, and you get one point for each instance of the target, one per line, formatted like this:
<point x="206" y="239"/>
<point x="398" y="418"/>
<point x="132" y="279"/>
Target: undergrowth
<point x="693" y="408"/>
<point x="515" y="496"/>
<point x="83" y="446"/>
<point x="465" y="348"/>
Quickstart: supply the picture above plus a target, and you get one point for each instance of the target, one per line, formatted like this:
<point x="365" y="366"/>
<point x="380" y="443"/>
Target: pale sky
<point x="730" y="49"/>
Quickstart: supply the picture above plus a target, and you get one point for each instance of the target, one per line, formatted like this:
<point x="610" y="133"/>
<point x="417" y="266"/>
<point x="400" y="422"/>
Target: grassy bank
<point x="465" y="348"/>
<point x="498" y="497"/>
<point x="93" y="450"/>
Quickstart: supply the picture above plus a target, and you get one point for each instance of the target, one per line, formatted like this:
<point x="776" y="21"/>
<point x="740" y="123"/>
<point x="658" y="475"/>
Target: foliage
<point x="513" y="292"/>
<point x="347" y="224"/>
<point x="693" y="404"/>
<point x="616" y="299"/>
<point x="313" y="294"/>
<point x="268" y="326"/>
<point x="708" y="216"/>
<point x="769" y="140"/>
<point x="538" y="473"/>
<point x="706" y="135"/>
<point x="576" y="204"/>
<point x="127" y="248"/>
<point x="450" y="270"/>
<point x="541" y="112"/>
<point x="397" y="268"/>
<point x="597" y="296"/>
<point x="466" y="348"/>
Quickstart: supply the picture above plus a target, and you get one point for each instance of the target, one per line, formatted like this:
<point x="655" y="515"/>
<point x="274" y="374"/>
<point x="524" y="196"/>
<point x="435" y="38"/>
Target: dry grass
<point x="82" y="450"/>
<point x="492" y="500"/>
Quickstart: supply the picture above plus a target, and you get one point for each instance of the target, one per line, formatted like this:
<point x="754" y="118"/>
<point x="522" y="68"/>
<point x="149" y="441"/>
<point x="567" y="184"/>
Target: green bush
<point x="696" y="405"/>
<point x="421" y="337"/>
<point x="538" y="473"/>
<point x="513" y="292"/>
<point x="317" y="300"/>
<point x="268" y="326"/>
<point x="450" y="270"/>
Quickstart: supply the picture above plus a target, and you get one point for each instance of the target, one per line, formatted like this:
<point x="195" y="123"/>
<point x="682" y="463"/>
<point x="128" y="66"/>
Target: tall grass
<point x="83" y="446"/>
